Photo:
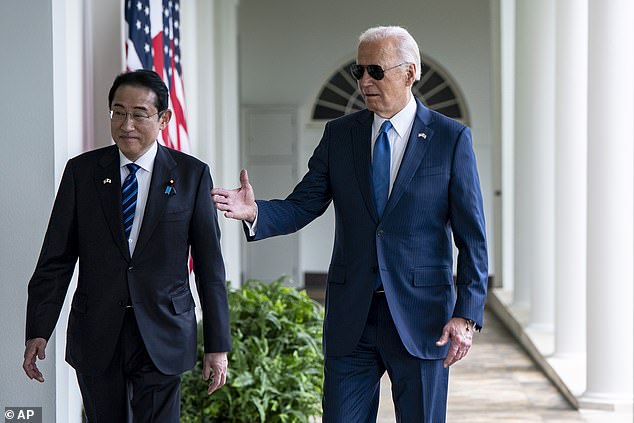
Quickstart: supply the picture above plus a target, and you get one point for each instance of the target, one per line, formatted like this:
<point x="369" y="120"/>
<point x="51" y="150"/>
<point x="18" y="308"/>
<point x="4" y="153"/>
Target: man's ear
<point x="411" y="74"/>
<point x="165" y="118"/>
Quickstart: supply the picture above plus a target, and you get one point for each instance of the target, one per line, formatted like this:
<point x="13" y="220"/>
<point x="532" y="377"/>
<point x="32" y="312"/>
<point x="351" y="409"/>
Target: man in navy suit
<point x="131" y="213"/>
<point x="402" y="179"/>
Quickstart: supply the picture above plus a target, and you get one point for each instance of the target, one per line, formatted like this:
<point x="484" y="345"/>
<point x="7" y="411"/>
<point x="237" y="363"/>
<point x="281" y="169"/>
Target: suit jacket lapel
<point x="413" y="157"/>
<point x="157" y="199"/>
<point x="108" y="185"/>
<point x="361" y="133"/>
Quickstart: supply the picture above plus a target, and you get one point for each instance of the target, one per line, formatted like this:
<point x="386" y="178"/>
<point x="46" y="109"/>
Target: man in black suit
<point x="131" y="213"/>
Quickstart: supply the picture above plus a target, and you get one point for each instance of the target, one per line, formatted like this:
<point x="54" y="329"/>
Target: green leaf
<point x="276" y="367"/>
<point x="245" y="379"/>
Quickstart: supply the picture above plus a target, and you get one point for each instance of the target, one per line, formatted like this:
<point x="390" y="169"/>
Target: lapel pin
<point x="170" y="189"/>
<point x="107" y="181"/>
<point x="422" y="135"/>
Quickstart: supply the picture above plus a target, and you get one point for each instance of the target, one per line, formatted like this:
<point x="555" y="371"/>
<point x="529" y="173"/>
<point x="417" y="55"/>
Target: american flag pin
<point x="107" y="181"/>
<point x="422" y="135"/>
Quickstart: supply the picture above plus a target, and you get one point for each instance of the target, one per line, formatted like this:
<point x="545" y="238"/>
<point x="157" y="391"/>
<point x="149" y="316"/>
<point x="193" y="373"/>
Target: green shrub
<point x="276" y="367"/>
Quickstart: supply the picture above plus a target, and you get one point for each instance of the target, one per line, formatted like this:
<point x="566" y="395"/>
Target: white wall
<point x="27" y="171"/>
<point x="289" y="48"/>
<point x="105" y="60"/>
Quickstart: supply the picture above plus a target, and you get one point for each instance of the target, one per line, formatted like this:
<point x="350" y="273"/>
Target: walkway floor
<point x="498" y="382"/>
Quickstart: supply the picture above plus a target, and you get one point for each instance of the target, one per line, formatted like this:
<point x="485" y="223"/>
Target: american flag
<point x="153" y="28"/>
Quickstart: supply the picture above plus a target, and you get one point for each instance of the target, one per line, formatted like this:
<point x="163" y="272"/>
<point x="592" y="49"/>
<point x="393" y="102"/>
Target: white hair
<point x="406" y="46"/>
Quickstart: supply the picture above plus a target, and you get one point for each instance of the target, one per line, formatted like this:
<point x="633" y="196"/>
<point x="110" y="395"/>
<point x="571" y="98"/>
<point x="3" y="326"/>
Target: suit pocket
<point x="183" y="303"/>
<point x="432" y="276"/>
<point x="79" y="303"/>
<point x="336" y="274"/>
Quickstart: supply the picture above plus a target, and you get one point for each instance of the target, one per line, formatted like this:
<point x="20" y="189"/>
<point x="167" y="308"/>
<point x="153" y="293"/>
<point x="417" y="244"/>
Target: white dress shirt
<point x="398" y="135"/>
<point x="143" y="177"/>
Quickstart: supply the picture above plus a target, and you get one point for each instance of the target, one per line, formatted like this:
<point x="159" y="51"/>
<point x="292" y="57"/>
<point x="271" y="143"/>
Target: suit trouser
<point x="131" y="389"/>
<point x="352" y="382"/>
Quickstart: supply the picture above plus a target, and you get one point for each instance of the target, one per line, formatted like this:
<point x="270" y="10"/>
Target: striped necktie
<point x="381" y="158"/>
<point x="129" y="192"/>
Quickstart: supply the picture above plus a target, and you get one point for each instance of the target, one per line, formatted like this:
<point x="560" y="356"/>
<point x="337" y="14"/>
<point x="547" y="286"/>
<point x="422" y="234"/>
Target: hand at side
<point x="35" y="348"/>
<point x="460" y="333"/>
<point x="215" y="370"/>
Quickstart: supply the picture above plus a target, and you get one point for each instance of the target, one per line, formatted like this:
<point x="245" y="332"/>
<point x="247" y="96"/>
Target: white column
<point x="210" y="54"/>
<point x="228" y="126"/>
<point x="502" y="77"/>
<point x="534" y="160"/>
<point x="507" y="100"/>
<point x="570" y="177"/>
<point x="69" y="27"/>
<point x="610" y="202"/>
<point x="496" y="138"/>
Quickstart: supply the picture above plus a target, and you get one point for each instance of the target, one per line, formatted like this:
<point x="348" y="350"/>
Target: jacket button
<point x="380" y="233"/>
<point x="131" y="268"/>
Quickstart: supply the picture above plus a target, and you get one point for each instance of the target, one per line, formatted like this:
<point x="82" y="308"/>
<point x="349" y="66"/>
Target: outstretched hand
<point x="237" y="203"/>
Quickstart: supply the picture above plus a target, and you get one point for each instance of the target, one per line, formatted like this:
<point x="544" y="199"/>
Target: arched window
<point x="436" y="90"/>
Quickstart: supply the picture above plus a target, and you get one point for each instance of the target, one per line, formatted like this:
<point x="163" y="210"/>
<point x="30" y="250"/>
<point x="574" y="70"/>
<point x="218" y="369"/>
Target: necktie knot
<point x="133" y="167"/>
<point x="385" y="127"/>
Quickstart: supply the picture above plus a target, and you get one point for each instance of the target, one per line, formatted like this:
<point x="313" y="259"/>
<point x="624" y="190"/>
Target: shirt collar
<point x="401" y="122"/>
<point x="146" y="161"/>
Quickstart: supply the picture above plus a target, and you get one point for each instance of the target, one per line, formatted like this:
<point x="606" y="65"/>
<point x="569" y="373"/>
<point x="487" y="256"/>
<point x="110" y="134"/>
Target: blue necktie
<point x="381" y="168"/>
<point x="381" y="158"/>
<point x="129" y="192"/>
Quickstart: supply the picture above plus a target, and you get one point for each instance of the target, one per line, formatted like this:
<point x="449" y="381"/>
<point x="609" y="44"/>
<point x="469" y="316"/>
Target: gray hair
<point x="406" y="46"/>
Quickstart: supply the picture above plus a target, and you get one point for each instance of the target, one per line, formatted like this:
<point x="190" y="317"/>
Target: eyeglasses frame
<point x="138" y="119"/>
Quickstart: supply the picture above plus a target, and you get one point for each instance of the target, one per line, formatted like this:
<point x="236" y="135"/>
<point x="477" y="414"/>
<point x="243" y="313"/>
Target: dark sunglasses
<point x="375" y="71"/>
